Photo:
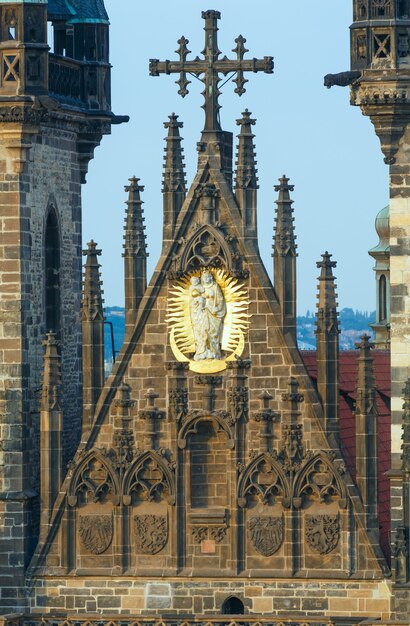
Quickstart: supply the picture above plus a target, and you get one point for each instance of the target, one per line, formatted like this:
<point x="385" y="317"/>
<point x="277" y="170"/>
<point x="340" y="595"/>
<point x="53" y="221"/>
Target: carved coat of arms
<point x="151" y="532"/>
<point x="96" y="532"/>
<point x="266" y="534"/>
<point x="322" y="532"/>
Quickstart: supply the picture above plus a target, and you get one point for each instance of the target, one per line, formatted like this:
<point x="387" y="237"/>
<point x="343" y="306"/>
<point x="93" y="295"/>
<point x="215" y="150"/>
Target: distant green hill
<point x="353" y="324"/>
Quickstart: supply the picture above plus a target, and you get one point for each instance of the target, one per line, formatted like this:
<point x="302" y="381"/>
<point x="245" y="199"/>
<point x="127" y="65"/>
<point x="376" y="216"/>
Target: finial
<point x="364" y="343"/>
<point x="326" y="263"/>
<point x="91" y="249"/>
<point x="246" y="120"/>
<point x="134" y="185"/>
<point x="209" y="69"/>
<point x="265" y="397"/>
<point x="173" y="122"/>
<point x="283" y="184"/>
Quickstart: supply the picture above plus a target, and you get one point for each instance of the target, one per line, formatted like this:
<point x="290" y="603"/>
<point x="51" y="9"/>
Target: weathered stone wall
<point x="49" y="176"/>
<point x="185" y="596"/>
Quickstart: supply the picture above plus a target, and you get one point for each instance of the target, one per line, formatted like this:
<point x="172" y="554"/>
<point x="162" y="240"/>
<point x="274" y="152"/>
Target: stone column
<point x="51" y="423"/>
<point x="284" y="258"/>
<point x="93" y="335"/>
<point x="327" y="346"/>
<point x="366" y="435"/>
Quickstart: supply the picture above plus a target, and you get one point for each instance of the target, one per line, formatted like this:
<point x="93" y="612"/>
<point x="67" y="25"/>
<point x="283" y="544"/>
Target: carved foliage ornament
<point x="207" y="320"/>
<point x="96" y="532"/>
<point x="178" y="401"/>
<point x="151" y="533"/>
<point x="201" y="533"/>
<point x="266" y="534"/>
<point x="322" y="532"/>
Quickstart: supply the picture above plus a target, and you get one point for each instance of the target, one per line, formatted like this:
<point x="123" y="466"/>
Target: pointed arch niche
<point x="206" y="443"/>
<point x="52" y="259"/>
<point x="264" y="500"/>
<point x="149" y="518"/>
<point x="89" y="526"/>
<point x="326" y="535"/>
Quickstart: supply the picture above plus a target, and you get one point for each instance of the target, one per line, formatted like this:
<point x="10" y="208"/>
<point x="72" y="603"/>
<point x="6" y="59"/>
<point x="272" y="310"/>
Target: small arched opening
<point x="382" y="298"/>
<point x="52" y="273"/>
<point x="233" y="606"/>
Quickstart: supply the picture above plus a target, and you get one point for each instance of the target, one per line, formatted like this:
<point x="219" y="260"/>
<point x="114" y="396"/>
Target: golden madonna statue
<point x="207" y="317"/>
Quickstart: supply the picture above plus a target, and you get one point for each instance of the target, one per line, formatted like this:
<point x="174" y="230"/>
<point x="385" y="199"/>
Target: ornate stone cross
<point x="210" y="67"/>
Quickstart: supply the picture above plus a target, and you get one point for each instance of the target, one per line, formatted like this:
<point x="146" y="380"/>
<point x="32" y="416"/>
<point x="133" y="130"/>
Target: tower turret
<point x="24" y="67"/>
<point x="81" y="34"/>
<point x="284" y="257"/>
<point x="366" y="434"/>
<point x="327" y="344"/>
<point x="174" y="183"/>
<point x="246" y="182"/>
<point x="381" y="254"/>
<point x="55" y="111"/>
<point x="93" y="334"/>
<point x="380" y="86"/>
<point x="135" y="253"/>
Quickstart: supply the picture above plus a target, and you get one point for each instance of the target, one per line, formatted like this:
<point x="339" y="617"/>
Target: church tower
<point x="380" y="86"/>
<point x="54" y="111"/>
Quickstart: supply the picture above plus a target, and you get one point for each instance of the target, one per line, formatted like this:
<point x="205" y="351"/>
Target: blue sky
<point x="326" y="147"/>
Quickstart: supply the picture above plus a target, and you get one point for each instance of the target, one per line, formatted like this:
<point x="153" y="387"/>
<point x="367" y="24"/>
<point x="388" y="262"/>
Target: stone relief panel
<point x="322" y="532"/>
<point x="266" y="533"/>
<point x="151" y="533"/>
<point x="96" y="532"/>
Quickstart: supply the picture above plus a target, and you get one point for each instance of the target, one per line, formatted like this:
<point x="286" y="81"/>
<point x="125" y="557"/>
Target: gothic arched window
<point x="382" y="298"/>
<point x="52" y="272"/>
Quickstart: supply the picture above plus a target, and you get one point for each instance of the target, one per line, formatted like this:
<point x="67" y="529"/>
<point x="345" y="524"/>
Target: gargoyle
<point x="343" y="79"/>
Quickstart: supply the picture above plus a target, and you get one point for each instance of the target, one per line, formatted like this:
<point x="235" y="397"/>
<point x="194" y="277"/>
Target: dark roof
<point x="58" y="9"/>
<point x="348" y="379"/>
<point x="78" y="10"/>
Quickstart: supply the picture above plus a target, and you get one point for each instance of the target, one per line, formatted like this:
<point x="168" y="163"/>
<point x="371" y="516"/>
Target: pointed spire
<point x="50" y="429"/>
<point x="92" y="303"/>
<point x="366" y="434"/>
<point x="135" y="253"/>
<point x="174" y="182"/>
<point x="93" y="334"/>
<point x="327" y="344"/>
<point x="246" y="182"/>
<point x="284" y="256"/>
<point x="327" y="318"/>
